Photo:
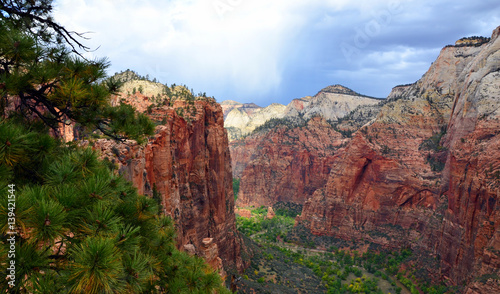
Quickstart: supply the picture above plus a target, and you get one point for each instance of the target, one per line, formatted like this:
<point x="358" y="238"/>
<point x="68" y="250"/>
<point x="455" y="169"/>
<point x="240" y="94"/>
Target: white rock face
<point x="332" y="103"/>
<point x="248" y="108"/>
<point x="333" y="106"/>
<point x="237" y="118"/>
<point x="239" y="123"/>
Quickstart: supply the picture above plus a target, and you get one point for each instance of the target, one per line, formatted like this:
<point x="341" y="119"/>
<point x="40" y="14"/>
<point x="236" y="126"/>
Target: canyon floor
<point x="289" y="259"/>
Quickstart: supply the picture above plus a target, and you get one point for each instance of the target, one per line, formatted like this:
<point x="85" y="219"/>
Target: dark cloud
<point x="399" y="52"/>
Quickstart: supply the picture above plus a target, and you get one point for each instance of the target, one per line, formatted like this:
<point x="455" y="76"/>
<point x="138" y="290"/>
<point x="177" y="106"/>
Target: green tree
<point x="81" y="228"/>
<point x="43" y="75"/>
<point x="236" y="187"/>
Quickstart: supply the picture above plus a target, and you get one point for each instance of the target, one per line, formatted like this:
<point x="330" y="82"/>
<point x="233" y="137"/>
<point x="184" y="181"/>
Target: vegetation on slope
<point x="288" y="259"/>
<point x="236" y="187"/>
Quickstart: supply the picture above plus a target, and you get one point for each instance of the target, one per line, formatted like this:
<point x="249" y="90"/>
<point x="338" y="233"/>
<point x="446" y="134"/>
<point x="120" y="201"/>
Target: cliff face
<point x="240" y="121"/>
<point x="187" y="165"/>
<point x="472" y="173"/>
<point x="286" y="163"/>
<point x="426" y="172"/>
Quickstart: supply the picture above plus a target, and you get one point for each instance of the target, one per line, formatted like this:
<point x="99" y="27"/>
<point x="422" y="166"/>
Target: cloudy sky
<point x="267" y="51"/>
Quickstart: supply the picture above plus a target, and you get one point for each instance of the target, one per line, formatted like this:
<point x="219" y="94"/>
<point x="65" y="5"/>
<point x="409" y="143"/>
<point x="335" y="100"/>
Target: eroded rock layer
<point x="426" y="172"/>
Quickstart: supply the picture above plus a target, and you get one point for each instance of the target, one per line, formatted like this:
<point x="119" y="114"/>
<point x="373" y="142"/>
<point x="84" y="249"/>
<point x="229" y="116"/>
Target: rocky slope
<point x="187" y="165"/>
<point x="241" y="121"/>
<point x="332" y="103"/>
<point x="426" y="172"/>
<point x="248" y="108"/>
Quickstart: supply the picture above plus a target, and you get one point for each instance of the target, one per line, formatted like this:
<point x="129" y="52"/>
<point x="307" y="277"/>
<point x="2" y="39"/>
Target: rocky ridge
<point x="288" y="158"/>
<point x="248" y="108"/>
<point x="425" y="173"/>
<point x="332" y="103"/>
<point x="285" y="163"/>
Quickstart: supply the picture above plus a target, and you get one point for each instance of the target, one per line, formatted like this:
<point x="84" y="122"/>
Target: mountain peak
<point x="339" y="89"/>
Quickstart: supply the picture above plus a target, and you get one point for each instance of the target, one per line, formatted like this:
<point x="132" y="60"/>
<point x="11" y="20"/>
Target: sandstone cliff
<point x="426" y="172"/>
<point x="288" y="159"/>
<point x="331" y="103"/>
<point x="286" y="163"/>
<point x="186" y="164"/>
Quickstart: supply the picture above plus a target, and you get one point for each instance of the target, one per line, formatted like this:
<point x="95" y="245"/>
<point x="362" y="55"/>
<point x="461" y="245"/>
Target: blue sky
<point x="267" y="51"/>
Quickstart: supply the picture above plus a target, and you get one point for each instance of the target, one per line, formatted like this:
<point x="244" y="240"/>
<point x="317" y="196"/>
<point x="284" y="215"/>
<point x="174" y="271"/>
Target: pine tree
<point x="81" y="228"/>
<point x="42" y="74"/>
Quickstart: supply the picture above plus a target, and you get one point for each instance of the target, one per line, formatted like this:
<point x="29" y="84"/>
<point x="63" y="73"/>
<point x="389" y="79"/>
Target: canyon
<point x="419" y="170"/>
<point x="288" y="157"/>
<point x="424" y="173"/>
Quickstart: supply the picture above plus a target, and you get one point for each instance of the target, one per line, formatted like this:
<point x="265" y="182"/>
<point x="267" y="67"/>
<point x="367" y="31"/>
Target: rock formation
<point x="240" y="122"/>
<point x="186" y="165"/>
<point x="426" y="172"/>
<point x="229" y="105"/>
<point x="331" y="103"/>
<point x="243" y="212"/>
<point x="210" y="252"/>
<point x="286" y="163"/>
<point x="287" y="160"/>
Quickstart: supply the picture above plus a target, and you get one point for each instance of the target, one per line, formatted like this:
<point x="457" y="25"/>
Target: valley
<point x="414" y="173"/>
<point x="125" y="184"/>
<point x="286" y="260"/>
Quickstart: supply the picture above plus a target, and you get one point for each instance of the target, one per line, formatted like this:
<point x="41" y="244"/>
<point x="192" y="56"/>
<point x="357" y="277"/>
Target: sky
<point x="272" y="51"/>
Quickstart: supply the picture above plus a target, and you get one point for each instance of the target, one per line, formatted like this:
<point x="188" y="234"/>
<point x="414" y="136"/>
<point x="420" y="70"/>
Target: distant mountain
<point x="241" y="121"/>
<point x="228" y="105"/>
<point x="331" y="103"/>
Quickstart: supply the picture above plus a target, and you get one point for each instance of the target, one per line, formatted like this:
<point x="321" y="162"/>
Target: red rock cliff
<point x="284" y="164"/>
<point x="187" y="164"/>
<point x="426" y="172"/>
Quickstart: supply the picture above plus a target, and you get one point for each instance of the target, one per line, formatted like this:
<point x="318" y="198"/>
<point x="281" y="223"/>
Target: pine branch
<point x="31" y="14"/>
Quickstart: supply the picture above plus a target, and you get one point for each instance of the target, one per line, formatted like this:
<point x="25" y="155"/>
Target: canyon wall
<point x="286" y="163"/>
<point x="186" y="165"/>
<point x="425" y="173"/>
<point x="288" y="159"/>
